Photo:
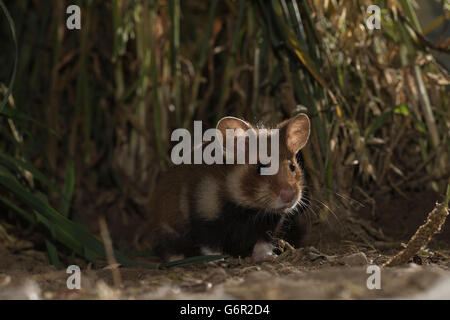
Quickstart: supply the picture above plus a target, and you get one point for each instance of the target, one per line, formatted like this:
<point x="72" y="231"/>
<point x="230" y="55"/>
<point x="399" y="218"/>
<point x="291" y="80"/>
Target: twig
<point x="423" y="235"/>
<point x="117" y="279"/>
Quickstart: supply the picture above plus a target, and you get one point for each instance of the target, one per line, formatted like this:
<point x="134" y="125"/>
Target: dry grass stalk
<point x="112" y="263"/>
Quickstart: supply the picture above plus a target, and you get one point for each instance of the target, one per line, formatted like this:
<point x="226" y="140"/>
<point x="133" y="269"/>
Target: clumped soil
<point x="323" y="269"/>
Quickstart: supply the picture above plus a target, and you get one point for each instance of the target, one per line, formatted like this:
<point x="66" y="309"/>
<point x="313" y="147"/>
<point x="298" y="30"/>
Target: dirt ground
<point x="322" y="269"/>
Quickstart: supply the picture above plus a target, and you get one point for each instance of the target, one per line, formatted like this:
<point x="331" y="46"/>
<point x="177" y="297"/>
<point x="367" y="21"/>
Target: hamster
<point x="228" y="209"/>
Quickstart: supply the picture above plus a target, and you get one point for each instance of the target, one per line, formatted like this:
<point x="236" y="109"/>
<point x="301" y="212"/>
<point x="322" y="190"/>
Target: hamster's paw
<point x="263" y="251"/>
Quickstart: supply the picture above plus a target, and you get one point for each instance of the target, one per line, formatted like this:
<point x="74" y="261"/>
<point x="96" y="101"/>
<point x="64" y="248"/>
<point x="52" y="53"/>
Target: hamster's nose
<point x="287" y="195"/>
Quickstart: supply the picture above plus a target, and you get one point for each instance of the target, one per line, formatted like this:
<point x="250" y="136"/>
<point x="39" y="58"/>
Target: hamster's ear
<point x="236" y="124"/>
<point x="297" y="131"/>
<point x="232" y="123"/>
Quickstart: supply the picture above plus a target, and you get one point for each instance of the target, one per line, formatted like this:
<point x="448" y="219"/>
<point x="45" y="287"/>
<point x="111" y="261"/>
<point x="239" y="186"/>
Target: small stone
<point x="259" y="276"/>
<point x="4" y="280"/>
<point x="217" y="276"/>
<point x="355" y="259"/>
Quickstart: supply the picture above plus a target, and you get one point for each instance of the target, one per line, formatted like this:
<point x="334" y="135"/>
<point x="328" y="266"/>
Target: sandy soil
<point x="333" y="269"/>
<point x="301" y="274"/>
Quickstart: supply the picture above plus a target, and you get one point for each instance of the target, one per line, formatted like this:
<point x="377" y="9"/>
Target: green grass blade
<point x="201" y="63"/>
<point x="192" y="261"/>
<point x="24" y="214"/>
<point x="18" y="164"/>
<point x="68" y="188"/>
<point x="16" y="57"/>
<point x="52" y="254"/>
<point x="19" y="116"/>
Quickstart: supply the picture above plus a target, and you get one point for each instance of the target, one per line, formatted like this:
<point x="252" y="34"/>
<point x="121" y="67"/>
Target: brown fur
<point x="239" y="184"/>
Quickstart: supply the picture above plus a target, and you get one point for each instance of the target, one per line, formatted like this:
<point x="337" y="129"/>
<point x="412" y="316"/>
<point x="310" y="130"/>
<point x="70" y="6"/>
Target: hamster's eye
<point x="260" y="166"/>
<point x="292" y="167"/>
